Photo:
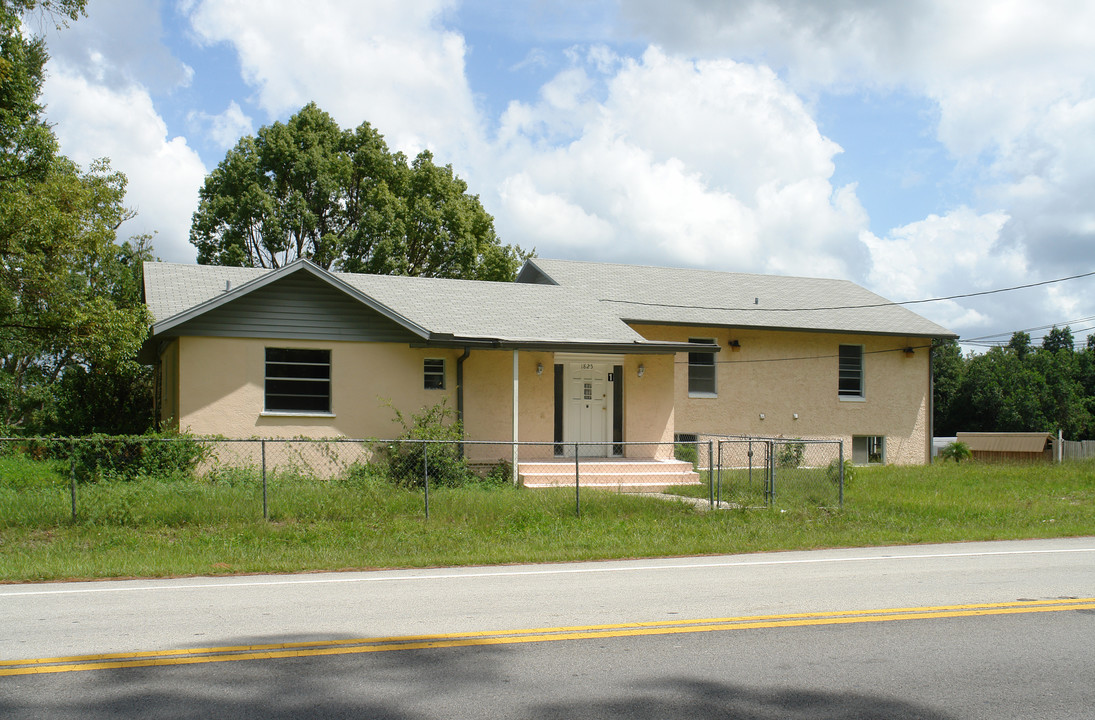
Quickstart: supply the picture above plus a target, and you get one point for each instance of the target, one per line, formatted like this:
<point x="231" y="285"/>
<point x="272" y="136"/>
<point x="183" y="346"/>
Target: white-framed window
<point x="850" y="372"/>
<point x="433" y="373"/>
<point x="868" y="449"/>
<point x="701" y="371"/>
<point x="298" y="380"/>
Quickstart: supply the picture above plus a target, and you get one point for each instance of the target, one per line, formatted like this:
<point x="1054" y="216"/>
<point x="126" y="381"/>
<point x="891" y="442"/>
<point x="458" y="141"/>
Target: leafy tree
<point x="1020" y="344"/>
<point x="999" y="393"/>
<point x="1058" y="339"/>
<point x="948" y="369"/>
<point x="307" y="188"/>
<point x="62" y="304"/>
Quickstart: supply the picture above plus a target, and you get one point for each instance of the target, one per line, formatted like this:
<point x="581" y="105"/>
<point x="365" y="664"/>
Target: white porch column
<point x="516" y="387"/>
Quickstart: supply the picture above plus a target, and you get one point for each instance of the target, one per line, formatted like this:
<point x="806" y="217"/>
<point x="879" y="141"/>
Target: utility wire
<point x="853" y="307"/>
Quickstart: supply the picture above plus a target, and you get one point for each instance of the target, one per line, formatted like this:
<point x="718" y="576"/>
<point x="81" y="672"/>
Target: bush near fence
<point x="246" y="475"/>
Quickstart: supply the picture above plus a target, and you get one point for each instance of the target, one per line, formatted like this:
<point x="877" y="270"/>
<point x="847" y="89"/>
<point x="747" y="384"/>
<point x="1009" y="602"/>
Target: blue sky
<point x="922" y="149"/>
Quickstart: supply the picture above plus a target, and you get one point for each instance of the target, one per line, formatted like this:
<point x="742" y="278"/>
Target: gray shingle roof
<point x="704" y="297"/>
<point x="173" y="288"/>
<point x="591" y="304"/>
<point x="506" y="312"/>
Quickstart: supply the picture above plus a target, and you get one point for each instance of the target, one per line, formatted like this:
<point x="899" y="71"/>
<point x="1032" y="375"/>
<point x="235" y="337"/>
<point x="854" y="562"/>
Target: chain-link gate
<point x="783" y="472"/>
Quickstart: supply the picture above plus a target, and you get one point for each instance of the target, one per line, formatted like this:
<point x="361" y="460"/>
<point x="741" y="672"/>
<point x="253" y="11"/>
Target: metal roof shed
<point x="1009" y="446"/>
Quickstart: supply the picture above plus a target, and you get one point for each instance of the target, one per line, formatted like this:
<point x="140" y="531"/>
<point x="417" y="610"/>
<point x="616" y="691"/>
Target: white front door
<point x="589" y="409"/>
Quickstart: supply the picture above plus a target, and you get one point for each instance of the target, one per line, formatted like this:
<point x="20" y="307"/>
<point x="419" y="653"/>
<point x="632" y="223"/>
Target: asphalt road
<point x="977" y="630"/>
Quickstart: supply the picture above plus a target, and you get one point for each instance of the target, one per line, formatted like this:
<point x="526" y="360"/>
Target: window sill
<point x="290" y="413"/>
<point x="702" y="395"/>
<point x="846" y="398"/>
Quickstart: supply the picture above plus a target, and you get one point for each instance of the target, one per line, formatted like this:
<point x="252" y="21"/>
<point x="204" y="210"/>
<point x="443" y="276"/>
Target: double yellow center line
<point x="503" y="637"/>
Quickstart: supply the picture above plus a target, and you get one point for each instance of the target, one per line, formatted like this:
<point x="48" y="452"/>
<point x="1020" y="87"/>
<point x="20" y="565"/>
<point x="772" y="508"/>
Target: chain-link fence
<point x="303" y="478"/>
<point x="786" y="472"/>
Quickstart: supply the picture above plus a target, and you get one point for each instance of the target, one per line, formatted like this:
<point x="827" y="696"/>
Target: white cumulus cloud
<point x="676" y="162"/>
<point x="388" y="62"/>
<point x="164" y="173"/>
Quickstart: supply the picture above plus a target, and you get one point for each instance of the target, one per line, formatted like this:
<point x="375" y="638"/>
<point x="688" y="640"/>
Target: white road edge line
<point x="229" y="583"/>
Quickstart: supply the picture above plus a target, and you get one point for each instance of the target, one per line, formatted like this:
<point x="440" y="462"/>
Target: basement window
<point x="298" y="380"/>
<point x="868" y="450"/>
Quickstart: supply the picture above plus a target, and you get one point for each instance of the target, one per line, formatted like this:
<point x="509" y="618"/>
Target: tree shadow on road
<point x="470" y="682"/>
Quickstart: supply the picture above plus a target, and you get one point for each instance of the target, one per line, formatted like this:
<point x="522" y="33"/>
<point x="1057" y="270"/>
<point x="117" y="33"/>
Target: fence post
<point x="750" y="454"/>
<point x="771" y="490"/>
<point x="718" y="486"/>
<point x="72" y="476"/>
<point x="426" y="475"/>
<point x="265" y="504"/>
<point x="577" y="491"/>
<point x="841" y="473"/>
<point x="710" y="475"/>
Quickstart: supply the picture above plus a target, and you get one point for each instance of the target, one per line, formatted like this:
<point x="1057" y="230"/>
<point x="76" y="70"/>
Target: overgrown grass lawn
<point x="187" y="526"/>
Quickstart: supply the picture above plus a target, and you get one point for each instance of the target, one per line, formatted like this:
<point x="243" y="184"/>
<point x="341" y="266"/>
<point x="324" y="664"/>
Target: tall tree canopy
<point x="1017" y="387"/>
<point x="67" y="300"/>
<point x="307" y="188"/>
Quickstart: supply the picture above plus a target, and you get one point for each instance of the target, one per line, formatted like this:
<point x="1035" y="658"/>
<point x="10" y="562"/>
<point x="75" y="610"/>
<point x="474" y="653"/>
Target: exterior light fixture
<point x="762" y="416"/>
<point x="909" y="352"/>
<point x="642" y="369"/>
<point x="539" y="368"/>
<point x="734" y="346"/>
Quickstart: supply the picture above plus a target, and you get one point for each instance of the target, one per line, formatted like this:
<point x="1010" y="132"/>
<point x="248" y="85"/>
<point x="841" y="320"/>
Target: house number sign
<point x="587" y="366"/>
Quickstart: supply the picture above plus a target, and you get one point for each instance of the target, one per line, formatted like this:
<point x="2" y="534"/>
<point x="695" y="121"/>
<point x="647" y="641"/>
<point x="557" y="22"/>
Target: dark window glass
<point x="298" y="380"/>
<point x="433" y="373"/>
<point x="701" y="370"/>
<point x="850" y="371"/>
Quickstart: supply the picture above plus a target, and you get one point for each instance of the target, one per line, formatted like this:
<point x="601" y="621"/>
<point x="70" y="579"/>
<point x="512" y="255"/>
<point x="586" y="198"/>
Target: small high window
<point x="701" y="371"/>
<point x="433" y="373"/>
<point x="850" y="372"/>
<point x="298" y="380"/>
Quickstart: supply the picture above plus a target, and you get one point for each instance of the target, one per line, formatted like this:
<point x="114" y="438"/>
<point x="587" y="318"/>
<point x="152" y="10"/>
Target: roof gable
<point x="184" y="293"/>
<point x="299" y="305"/>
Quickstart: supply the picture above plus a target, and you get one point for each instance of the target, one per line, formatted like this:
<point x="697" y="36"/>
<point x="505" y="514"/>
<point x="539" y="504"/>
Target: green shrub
<point x="832" y="472"/>
<point x="500" y="474"/>
<point x="957" y="451"/>
<point x="127" y="457"/>
<point x="686" y="452"/>
<point x="790" y="454"/>
<point x="431" y="446"/>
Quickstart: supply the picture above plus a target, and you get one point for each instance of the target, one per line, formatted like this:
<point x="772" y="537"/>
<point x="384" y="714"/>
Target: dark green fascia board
<point x="299" y="265"/>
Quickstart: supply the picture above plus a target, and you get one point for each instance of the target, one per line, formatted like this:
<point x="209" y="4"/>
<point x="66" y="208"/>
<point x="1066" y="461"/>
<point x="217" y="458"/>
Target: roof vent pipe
<point x="756" y="301"/>
<point x="227" y="285"/>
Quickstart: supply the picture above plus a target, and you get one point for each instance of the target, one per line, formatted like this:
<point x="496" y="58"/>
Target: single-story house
<point x="1009" y="446"/>
<point x="571" y="352"/>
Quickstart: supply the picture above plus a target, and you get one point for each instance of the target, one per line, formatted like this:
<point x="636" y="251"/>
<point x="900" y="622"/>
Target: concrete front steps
<point x="620" y="474"/>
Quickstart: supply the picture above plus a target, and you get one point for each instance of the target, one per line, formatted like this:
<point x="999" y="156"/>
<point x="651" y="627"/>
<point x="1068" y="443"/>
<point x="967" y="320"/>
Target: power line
<point x="853" y="307"/>
<point x="903" y="348"/>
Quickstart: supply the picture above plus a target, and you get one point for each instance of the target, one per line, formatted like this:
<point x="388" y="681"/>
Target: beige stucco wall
<point x="780" y="374"/>
<point x="648" y="404"/>
<point x="219" y="391"/>
<point x="220" y="384"/>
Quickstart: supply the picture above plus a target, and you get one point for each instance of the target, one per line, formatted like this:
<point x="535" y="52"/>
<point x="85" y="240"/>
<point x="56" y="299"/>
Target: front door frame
<point x="569" y="369"/>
